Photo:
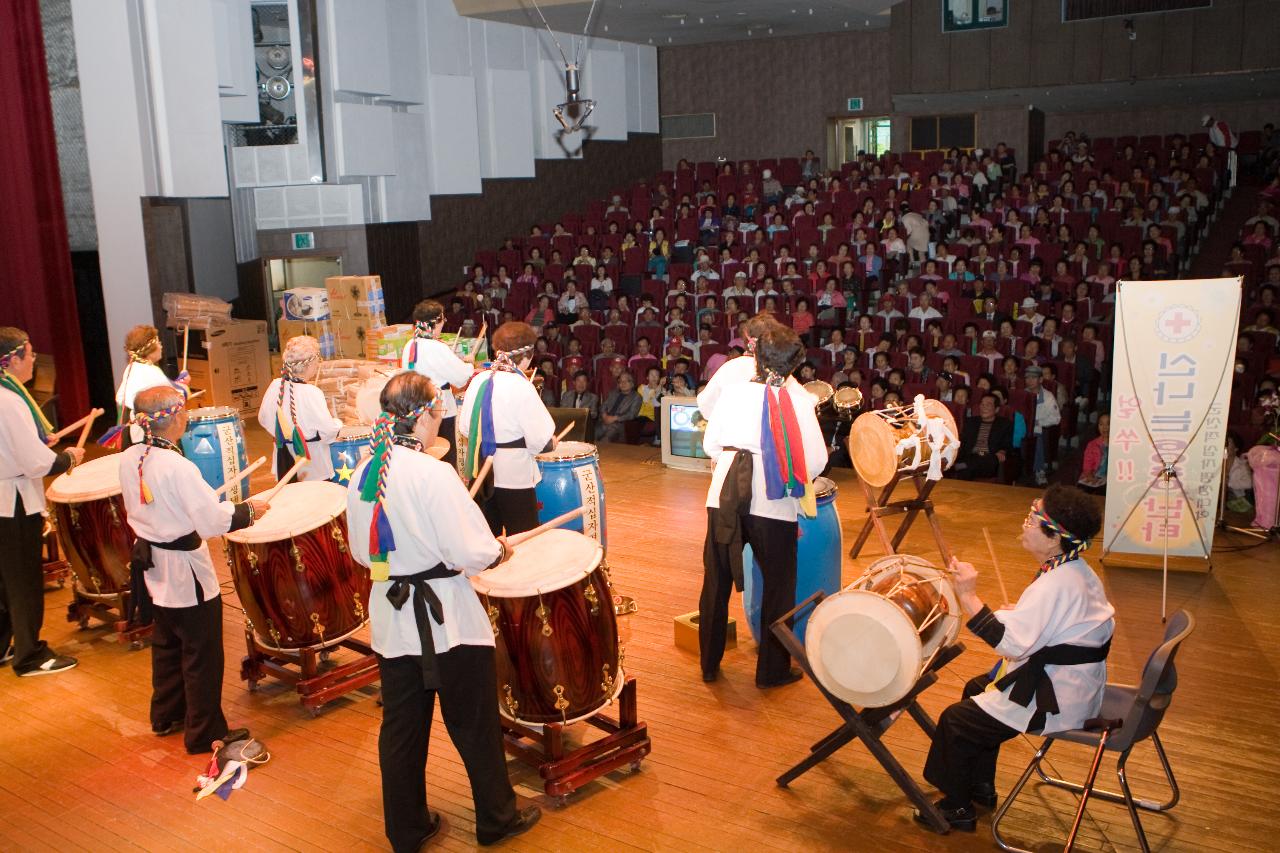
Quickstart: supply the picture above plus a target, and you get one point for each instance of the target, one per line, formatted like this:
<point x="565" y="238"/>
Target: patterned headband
<point x="774" y="379"/>
<point x="140" y="354"/>
<point x="145" y="420"/>
<point x="1075" y="543"/>
<point x="373" y="489"/>
<point x="423" y="329"/>
<point x="7" y="358"/>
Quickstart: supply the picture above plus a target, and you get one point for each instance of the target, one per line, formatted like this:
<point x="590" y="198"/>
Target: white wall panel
<point x="364" y="140"/>
<point x="454" y="137"/>
<point x="448" y="45"/>
<point x="648" y="79"/>
<point x="630" y="55"/>
<point x="359" y="51"/>
<point x="405" y="43"/>
<point x="511" y="145"/>
<point x="233" y="43"/>
<point x="504" y="45"/>
<point x="406" y="196"/>
<point x="313" y="205"/>
<point x="604" y="80"/>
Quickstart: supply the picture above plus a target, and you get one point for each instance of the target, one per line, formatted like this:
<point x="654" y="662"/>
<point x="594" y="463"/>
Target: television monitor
<point x="682" y="428"/>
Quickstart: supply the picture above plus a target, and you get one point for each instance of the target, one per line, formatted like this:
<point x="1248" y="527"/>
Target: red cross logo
<point x="1176" y="322"/>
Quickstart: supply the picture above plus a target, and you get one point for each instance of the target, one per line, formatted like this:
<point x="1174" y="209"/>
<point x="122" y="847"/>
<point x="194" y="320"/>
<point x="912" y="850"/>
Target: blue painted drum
<point x="571" y="478"/>
<point x="819" y="556"/>
<point x="352" y="444"/>
<point x="214" y="441"/>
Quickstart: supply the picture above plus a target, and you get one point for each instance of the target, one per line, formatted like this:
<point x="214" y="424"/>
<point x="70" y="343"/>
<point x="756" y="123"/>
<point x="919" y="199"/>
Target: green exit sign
<point x="303" y="240"/>
<point x="855" y="105"/>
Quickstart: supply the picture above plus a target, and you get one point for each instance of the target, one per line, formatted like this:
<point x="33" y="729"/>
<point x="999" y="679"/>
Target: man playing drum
<point x="438" y="362"/>
<point x="413" y="524"/>
<point x="1054" y="642"/>
<point x="768" y="447"/>
<point x="735" y="370"/>
<point x="172" y="510"/>
<point x="25" y="458"/>
<point x="503" y="417"/>
<point x="296" y="413"/>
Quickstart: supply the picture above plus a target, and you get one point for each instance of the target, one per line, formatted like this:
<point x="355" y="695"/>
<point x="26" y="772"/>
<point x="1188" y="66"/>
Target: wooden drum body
<point x="884" y="442"/>
<point x="89" y="510"/>
<point x="869" y="643"/>
<point x="819" y="557"/>
<point x="558" y="658"/>
<point x="571" y="478"/>
<point x="297" y="582"/>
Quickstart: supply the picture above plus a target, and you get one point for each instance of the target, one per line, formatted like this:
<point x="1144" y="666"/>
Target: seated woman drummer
<point x="1053" y="644"/>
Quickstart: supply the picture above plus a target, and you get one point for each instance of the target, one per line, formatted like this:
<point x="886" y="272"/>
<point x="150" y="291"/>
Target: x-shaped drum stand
<point x="879" y="505"/>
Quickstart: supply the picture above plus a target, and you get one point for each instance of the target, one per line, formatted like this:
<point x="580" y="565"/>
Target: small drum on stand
<point x="88" y="510"/>
<point x="822" y="392"/>
<point x="302" y="592"/>
<point x="346" y="451"/>
<point x="847" y="401"/>
<point x="819" y="557"/>
<point x="903" y="439"/>
<point x="571" y="478"/>
<point x="214" y="441"/>
<point x="559" y="661"/>
<point x="870" y="643"/>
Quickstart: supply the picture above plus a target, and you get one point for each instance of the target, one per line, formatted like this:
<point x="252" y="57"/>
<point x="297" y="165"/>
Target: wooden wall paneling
<point x="168" y="259"/>
<point x="1086" y="51"/>
<point x="1148" y="50"/>
<point x="1261" y="34"/>
<point x="1051" y="44"/>
<point x="1177" y="44"/>
<point x="900" y="58"/>
<point x="1219" y="36"/>
<point x="969" y="61"/>
<point x="396" y="253"/>
<point x="1011" y="51"/>
<point x="929" y="50"/>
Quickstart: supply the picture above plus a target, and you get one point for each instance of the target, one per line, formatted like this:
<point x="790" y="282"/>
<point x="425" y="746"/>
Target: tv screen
<point x="682" y="429"/>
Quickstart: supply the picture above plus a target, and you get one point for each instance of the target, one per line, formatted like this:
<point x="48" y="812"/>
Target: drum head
<point x="545" y="563"/>
<point x="824" y="488"/>
<point x="355" y="432"/>
<point x="438" y="448"/>
<point x="90" y="481"/>
<point x="297" y="509"/>
<point x="567" y="450"/>
<point x="212" y="413"/>
<point x="947" y="629"/>
<point x="821" y="391"/>
<point x="873" y="446"/>
<point x="863" y="648"/>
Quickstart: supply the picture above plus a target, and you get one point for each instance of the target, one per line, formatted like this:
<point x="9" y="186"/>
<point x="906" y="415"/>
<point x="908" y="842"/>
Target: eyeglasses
<point x="1033" y="516"/>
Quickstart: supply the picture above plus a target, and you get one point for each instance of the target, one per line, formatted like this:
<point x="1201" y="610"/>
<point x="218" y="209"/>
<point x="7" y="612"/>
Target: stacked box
<point x="230" y="362"/>
<point x="352" y="297"/>
<point x="321" y="330"/>
<point x="190" y="310"/>
<point x="386" y="343"/>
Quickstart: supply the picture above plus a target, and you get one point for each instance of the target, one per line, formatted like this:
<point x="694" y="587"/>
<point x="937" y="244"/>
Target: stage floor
<point x="80" y="769"/>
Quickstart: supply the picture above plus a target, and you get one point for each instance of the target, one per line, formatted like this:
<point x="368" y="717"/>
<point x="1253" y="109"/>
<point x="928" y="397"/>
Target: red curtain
<point x="37" y="292"/>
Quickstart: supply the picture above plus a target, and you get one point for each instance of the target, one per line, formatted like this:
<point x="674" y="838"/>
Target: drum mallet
<point x="995" y="564"/>
<point x="194" y="394"/>
<point x="67" y="430"/>
<point x="284" y="481"/>
<point x="240" y="475"/>
<point x="560" y="435"/>
<point x="558" y="521"/>
<point x="186" y="339"/>
<point x="479" y="480"/>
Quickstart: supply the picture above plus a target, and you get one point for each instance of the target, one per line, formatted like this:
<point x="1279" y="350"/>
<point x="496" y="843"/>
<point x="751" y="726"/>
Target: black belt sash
<point x="285" y="458"/>
<point x="486" y="488"/>
<point x="735" y="502"/>
<point x="140" y="560"/>
<point x="1030" y="681"/>
<point x="425" y="601"/>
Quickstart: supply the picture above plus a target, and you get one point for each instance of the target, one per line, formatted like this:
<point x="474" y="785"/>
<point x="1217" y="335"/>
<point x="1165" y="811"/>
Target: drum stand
<point x="564" y="771"/>
<point x="110" y="609"/>
<point x="55" y="565"/>
<point x="301" y="668"/>
<point x="879" y="505"/>
<point x="869" y="724"/>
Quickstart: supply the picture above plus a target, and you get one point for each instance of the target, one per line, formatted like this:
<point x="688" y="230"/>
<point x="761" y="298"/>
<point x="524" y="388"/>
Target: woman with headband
<point x="437" y="361"/>
<point x="172" y="511"/>
<point x="735" y="370"/>
<point x="1053" y="643"/>
<point x="142" y="346"/>
<point x="413" y="524"/>
<point x="504" y="417"/>
<point x="296" y="413"/>
<point x="25" y="460"/>
<point x="768" y="448"/>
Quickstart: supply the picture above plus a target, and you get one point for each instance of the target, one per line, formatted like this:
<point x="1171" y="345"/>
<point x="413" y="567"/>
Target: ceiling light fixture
<point x="575" y="110"/>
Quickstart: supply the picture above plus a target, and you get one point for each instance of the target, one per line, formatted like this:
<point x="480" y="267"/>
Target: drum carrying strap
<point x="1030" y="681"/>
<point x="735" y="502"/>
<point x="140" y="560"/>
<point x="424" y="601"/>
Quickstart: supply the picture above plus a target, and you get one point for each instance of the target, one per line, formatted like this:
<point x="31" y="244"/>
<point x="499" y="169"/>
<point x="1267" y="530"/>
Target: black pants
<point x="965" y="748"/>
<point x="514" y="509"/>
<point x="22" y="588"/>
<point x="773" y="543"/>
<point x="449" y="432"/>
<point x="468" y="700"/>
<point x="978" y="466"/>
<point x="186" y="672"/>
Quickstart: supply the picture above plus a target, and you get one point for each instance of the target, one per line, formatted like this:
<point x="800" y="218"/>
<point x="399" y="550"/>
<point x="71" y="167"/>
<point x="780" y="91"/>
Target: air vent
<point x="689" y="126"/>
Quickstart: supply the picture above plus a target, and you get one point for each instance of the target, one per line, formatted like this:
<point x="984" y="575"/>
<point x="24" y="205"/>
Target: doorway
<point x="853" y="136"/>
<point x="287" y="273"/>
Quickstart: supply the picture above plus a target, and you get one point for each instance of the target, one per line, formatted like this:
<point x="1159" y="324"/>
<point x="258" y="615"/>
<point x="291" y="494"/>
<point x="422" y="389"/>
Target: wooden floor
<point x="79" y="768"/>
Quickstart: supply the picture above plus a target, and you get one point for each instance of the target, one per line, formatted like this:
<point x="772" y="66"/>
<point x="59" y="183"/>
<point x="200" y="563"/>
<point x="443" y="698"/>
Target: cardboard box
<point x="321" y="330"/>
<point x="387" y="342"/>
<point x="232" y="365"/>
<point x="350" y="335"/>
<point x="353" y="296"/>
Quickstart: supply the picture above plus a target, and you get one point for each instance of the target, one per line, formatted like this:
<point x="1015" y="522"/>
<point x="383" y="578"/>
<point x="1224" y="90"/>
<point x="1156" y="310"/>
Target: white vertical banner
<point x="1171" y="383"/>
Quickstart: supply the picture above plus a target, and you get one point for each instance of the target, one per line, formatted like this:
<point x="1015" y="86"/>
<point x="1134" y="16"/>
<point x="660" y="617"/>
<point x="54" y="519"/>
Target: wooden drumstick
<point x="559" y="520"/>
<point x="186" y="339"/>
<point x="249" y="469"/>
<point x="88" y="422"/>
<point x="560" y="435"/>
<point x="284" y="481"/>
<point x="67" y="430"/>
<point x="479" y="480"/>
<point x="995" y="564"/>
<point x="192" y="396"/>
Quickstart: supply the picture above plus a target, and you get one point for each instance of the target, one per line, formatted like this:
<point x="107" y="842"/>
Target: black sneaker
<point x="963" y="819"/>
<point x="57" y="663"/>
<point x="790" y="678"/>
<point x="167" y="729"/>
<point x="435" y="823"/>
<point x="524" y="821"/>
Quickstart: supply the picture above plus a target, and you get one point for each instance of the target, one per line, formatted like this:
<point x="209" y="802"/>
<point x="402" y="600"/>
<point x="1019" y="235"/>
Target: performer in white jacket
<point x="142" y="345"/>
<point x="1054" y="643"/>
<point x="295" y="412"/>
<point x="437" y="361"/>
<point x="735" y="370"/>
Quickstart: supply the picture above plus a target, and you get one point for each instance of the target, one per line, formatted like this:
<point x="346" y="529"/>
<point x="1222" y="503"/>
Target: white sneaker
<point x="54" y="664"/>
<point x="6" y="656"/>
<point x="1041" y="479"/>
